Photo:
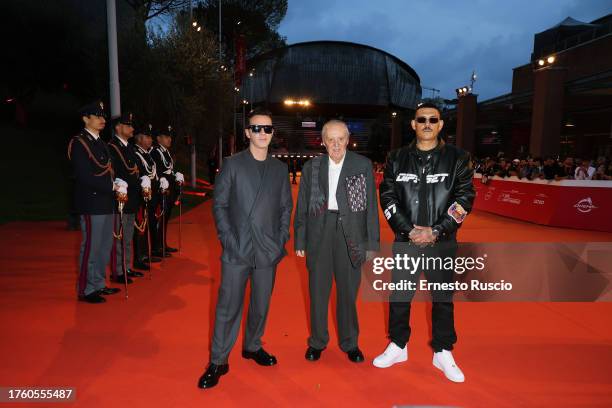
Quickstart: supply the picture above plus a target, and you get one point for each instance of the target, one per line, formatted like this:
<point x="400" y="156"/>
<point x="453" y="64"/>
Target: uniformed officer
<point x="174" y="180"/>
<point x="125" y="166"/>
<point x="146" y="165"/>
<point x="94" y="202"/>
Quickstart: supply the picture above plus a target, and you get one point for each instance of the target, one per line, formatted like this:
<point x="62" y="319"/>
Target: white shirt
<point x="333" y="176"/>
<point x="123" y="142"/>
<point x="96" y="137"/>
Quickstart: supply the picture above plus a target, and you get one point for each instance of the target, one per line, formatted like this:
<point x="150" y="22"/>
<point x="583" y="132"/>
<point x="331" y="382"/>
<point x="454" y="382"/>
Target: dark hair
<point x="259" y="112"/>
<point x="427" y="105"/>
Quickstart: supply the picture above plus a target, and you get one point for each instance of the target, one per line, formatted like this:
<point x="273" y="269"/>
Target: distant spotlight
<point x="245" y="101"/>
<point x="541" y="62"/>
<point x="354" y="144"/>
<point x="550" y="59"/>
<point x="250" y="74"/>
<point x="199" y="29"/>
<point x="394" y="114"/>
<point x="289" y="102"/>
<point x="238" y="22"/>
<point x="195" y="23"/>
<point x="236" y="89"/>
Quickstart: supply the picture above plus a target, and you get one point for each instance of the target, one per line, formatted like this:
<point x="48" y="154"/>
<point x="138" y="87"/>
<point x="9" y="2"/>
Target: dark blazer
<point x="93" y="175"/>
<point x="357" y="207"/>
<point x="125" y="165"/>
<point x="252" y="213"/>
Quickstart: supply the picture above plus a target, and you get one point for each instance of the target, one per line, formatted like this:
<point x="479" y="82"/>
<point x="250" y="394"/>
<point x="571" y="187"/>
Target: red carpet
<point x="149" y="350"/>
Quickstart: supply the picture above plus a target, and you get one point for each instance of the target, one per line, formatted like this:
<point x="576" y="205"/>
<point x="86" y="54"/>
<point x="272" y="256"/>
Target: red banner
<point x="568" y="203"/>
<point x="240" y="65"/>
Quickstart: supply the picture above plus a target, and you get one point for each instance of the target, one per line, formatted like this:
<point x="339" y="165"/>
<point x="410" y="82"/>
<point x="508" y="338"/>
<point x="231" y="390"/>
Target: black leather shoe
<point x="171" y="250"/>
<point x="313" y="354"/>
<point x="121" y="279"/>
<point x="109" y="291"/>
<point x="355" y="355"/>
<point x="92" y="298"/>
<point x="260" y="356"/>
<point x="160" y="254"/>
<point x="211" y="376"/>
<point x="154" y="259"/>
<point x="141" y="265"/>
<point x="134" y="274"/>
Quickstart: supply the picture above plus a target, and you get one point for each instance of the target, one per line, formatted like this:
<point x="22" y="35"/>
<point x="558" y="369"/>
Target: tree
<point x="256" y="20"/>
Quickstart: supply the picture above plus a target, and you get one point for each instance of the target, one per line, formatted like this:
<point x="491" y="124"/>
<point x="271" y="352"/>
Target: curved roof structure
<point x="332" y="72"/>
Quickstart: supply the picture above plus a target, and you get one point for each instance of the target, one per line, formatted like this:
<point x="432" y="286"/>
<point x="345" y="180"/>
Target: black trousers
<point x="442" y="314"/>
<point x="333" y="261"/>
<point x="141" y="245"/>
<point x="162" y="224"/>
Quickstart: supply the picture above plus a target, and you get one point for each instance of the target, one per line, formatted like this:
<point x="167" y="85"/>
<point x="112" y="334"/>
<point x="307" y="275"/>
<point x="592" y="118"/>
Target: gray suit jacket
<point x="252" y="213"/>
<point x="357" y="206"/>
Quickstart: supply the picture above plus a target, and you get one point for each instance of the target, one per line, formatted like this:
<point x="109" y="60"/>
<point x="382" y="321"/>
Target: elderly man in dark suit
<point x="336" y="225"/>
<point x="252" y="211"/>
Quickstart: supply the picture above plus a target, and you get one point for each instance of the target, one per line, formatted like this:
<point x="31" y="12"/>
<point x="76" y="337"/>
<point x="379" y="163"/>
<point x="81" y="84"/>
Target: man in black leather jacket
<point x="426" y="193"/>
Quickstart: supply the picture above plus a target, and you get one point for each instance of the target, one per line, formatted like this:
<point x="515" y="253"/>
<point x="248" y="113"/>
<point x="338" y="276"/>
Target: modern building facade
<point x="306" y="84"/>
<point x="560" y="104"/>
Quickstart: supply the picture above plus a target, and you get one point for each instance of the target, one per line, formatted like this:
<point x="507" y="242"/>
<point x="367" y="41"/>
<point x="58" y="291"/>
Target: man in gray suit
<point x="252" y="211"/>
<point x="336" y="225"/>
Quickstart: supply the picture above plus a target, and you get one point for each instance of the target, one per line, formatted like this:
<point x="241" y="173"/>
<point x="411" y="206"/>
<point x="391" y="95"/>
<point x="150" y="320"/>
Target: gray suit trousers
<point x="117" y="251"/>
<point x="95" y="252"/>
<point x="333" y="261"/>
<point x="229" y="308"/>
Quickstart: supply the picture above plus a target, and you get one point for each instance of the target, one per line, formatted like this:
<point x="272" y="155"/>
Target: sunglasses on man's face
<point x="257" y="128"/>
<point x="423" y="119"/>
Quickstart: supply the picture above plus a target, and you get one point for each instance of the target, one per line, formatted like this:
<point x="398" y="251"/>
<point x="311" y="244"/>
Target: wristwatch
<point x="435" y="231"/>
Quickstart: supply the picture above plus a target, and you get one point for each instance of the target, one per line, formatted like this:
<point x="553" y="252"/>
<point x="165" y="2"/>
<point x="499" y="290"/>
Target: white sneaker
<point x="444" y="361"/>
<point x="392" y="355"/>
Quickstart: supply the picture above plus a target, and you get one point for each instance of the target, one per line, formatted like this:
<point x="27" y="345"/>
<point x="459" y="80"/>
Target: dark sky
<point x="442" y="40"/>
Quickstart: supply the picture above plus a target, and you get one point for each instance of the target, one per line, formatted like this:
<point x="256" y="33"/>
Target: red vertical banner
<point x="240" y="66"/>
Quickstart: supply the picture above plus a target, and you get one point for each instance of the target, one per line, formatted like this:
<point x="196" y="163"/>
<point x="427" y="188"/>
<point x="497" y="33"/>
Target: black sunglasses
<point x="423" y="119"/>
<point x="257" y="128"/>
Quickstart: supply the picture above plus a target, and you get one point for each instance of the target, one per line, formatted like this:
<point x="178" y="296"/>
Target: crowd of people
<point x="549" y="168"/>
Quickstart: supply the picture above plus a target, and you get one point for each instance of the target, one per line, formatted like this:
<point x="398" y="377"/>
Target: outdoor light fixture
<point x="394" y="114"/>
<point x="195" y="23"/>
<point x="199" y="29"/>
<point x="464" y="90"/>
<point x="354" y="144"/>
<point x="301" y="102"/>
<point x="245" y="101"/>
<point x="236" y="89"/>
<point x="544" y="62"/>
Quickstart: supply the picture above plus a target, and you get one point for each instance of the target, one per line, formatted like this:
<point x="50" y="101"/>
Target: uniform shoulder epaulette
<point x="131" y="170"/>
<point x="105" y="168"/>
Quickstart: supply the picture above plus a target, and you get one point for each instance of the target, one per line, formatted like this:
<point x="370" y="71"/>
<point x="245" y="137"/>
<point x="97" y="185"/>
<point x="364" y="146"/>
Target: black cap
<point x="93" y="108"/>
<point x="126" y="118"/>
<point x="167" y="131"/>
<point x="146" y="130"/>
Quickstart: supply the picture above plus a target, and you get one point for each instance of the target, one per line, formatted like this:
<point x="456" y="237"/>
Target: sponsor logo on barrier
<point x="585" y="205"/>
<point x="507" y="198"/>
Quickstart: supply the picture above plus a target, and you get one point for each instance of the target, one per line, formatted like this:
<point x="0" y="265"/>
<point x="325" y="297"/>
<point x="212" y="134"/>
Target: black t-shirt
<point x="261" y="164"/>
<point x="423" y="215"/>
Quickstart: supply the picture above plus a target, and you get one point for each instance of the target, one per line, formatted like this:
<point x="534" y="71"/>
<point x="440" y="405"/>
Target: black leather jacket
<point x="446" y="174"/>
